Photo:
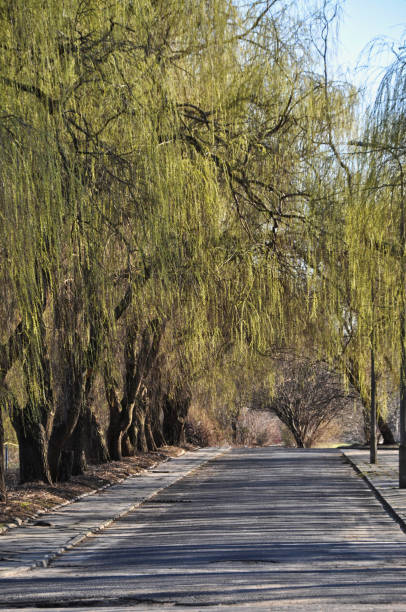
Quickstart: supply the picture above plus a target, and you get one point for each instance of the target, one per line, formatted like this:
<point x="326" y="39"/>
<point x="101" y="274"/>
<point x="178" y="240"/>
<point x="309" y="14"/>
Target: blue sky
<point x="362" y="21"/>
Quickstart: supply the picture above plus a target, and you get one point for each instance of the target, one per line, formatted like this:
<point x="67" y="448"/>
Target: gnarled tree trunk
<point x="175" y="409"/>
<point x="126" y="429"/>
<point x="33" y="443"/>
<point x="67" y="419"/>
<point x="3" y="492"/>
<point x="384" y="428"/>
<point x="120" y="420"/>
<point x="94" y="442"/>
<point x="149" y="434"/>
<point x="33" y="423"/>
<point x="87" y="442"/>
<point x="139" y="436"/>
<point x="140" y="418"/>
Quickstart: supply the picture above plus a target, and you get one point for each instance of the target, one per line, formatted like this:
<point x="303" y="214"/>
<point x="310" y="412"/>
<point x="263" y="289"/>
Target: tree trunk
<point x="114" y="432"/>
<point x="79" y="461"/>
<point x="156" y="419"/>
<point x="295" y="430"/>
<point x="151" y="444"/>
<point x="57" y="445"/>
<point x="122" y="414"/>
<point x="384" y="428"/>
<point x="33" y="445"/>
<point x="158" y="434"/>
<point x="76" y="446"/>
<point x="88" y="441"/>
<point x="65" y="466"/>
<point x="69" y="413"/>
<point x="175" y="412"/>
<point x="233" y="430"/>
<point x="114" y="435"/>
<point x="139" y="435"/>
<point x="142" y="445"/>
<point x="96" y="448"/>
<point x="3" y="492"/>
<point x="129" y="442"/>
<point x="372" y="426"/>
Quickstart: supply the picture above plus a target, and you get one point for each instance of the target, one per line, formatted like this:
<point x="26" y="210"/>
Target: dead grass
<point x="27" y="500"/>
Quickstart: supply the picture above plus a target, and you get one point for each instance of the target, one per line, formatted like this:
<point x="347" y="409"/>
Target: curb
<point x="386" y="505"/>
<point x="78" y="539"/>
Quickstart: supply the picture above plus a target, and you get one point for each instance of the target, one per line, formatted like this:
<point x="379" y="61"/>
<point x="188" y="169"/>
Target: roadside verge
<point x="38" y="542"/>
<point x="382" y="478"/>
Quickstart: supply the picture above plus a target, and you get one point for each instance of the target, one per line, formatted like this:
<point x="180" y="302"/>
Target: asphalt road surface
<point x="254" y="529"/>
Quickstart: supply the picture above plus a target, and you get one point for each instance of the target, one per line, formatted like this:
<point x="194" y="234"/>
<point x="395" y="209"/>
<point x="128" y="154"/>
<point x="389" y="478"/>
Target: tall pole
<point x="402" y="406"/>
<point x="373" y="440"/>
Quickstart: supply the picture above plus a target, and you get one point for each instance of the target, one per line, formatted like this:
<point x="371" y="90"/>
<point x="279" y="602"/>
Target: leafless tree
<point x="306" y="398"/>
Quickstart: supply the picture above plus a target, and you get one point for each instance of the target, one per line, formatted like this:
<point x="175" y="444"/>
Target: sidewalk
<point x="383" y="478"/>
<point x="44" y="538"/>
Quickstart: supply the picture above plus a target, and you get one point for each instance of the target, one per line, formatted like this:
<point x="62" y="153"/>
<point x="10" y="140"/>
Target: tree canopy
<point x="174" y="191"/>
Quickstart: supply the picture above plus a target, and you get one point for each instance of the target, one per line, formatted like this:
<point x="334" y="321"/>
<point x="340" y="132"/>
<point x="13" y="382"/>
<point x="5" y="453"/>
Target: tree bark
<point x="372" y="427"/>
<point x="175" y="411"/>
<point x="299" y="440"/>
<point x="155" y="399"/>
<point x="96" y="448"/>
<point x="129" y="441"/>
<point x="142" y="445"/>
<point x="384" y="428"/>
<point x="68" y="413"/>
<point x="33" y="423"/>
<point x="158" y="434"/>
<point x="77" y="428"/>
<point x="76" y="446"/>
<point x="129" y="412"/>
<point x="139" y="436"/>
<point x="3" y="491"/>
<point x="88" y="443"/>
<point x="149" y="434"/>
<point x="66" y="466"/>
<point x="156" y="420"/>
<point x="114" y="432"/>
<point x="33" y="444"/>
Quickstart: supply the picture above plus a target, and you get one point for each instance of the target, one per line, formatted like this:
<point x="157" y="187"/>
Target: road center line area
<point x="258" y="528"/>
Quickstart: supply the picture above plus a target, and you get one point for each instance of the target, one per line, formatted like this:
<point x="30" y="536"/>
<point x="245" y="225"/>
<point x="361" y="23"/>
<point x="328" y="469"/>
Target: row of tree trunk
<point x="61" y="433"/>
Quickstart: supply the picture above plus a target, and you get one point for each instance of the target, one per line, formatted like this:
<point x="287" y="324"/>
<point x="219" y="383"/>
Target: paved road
<point x="46" y="537"/>
<point x="254" y="529"/>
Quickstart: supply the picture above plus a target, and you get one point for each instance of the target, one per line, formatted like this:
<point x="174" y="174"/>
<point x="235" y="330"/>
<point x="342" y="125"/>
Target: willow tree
<point x="232" y="122"/>
<point x="47" y="110"/>
<point x="383" y="146"/>
<point x="159" y="158"/>
<point x="100" y="89"/>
